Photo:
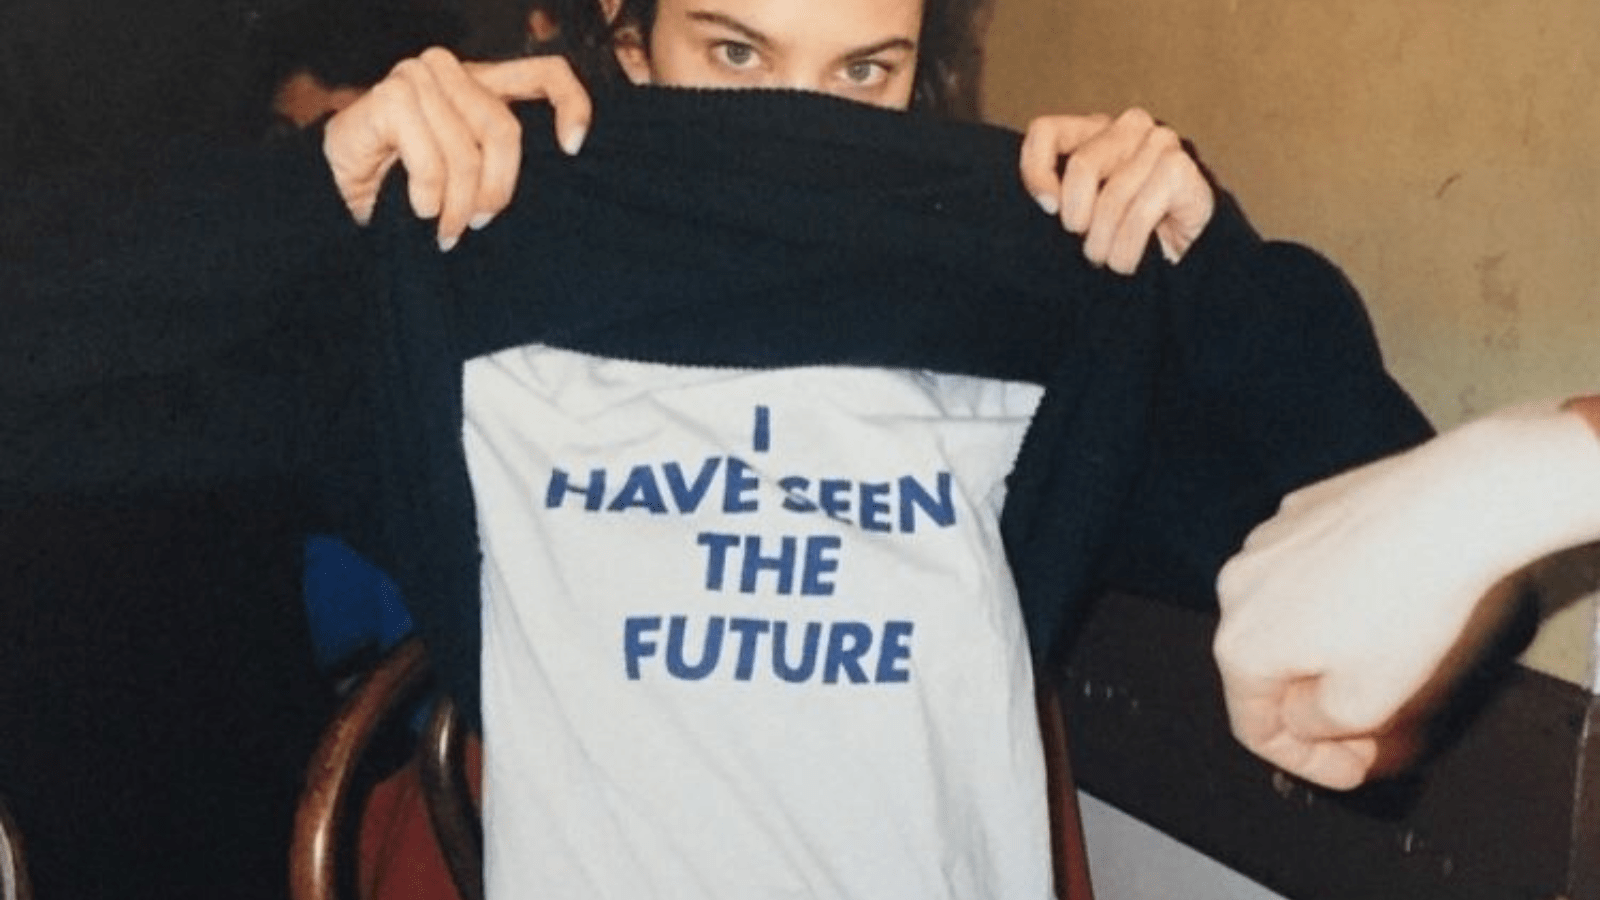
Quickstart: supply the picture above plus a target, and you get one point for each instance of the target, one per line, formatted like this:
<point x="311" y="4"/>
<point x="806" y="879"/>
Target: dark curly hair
<point x="949" y="57"/>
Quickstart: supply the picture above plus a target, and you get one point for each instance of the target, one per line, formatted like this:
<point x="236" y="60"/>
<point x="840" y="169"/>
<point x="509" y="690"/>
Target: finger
<point x="502" y="159"/>
<point x="1047" y="139"/>
<point x="449" y="102"/>
<point x="399" y="123"/>
<point x="1306" y="714"/>
<point x="1092" y="164"/>
<point x="358" y="157"/>
<point x="1254" y="711"/>
<point x="1151" y="207"/>
<point x="1190" y="208"/>
<point x="1356" y="700"/>
<point x="573" y="110"/>
<point x="543" y="78"/>
<point x="1257" y="722"/>
<point x="1338" y="764"/>
<point x="1254" y="702"/>
<point x="497" y="140"/>
<point x="1256" y="708"/>
<point x="1037" y="164"/>
<point x="1131" y="203"/>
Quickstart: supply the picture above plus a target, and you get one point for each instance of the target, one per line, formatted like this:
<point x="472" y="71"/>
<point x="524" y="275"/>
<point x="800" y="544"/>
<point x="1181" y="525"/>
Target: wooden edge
<point x="1583" y="877"/>
<point x="1069" y="852"/>
<point x="1506" y="806"/>
<point x="321" y="810"/>
<point x="456" y="821"/>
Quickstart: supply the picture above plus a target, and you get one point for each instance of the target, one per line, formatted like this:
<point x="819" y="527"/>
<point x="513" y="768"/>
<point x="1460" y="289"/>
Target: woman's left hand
<point x="1124" y="180"/>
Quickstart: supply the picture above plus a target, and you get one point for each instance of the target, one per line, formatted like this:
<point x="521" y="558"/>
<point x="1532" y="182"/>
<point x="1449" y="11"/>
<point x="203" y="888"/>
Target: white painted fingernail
<point x="572" y="141"/>
<point x="446" y="244"/>
<point x="1048" y="203"/>
<point x="480" y="221"/>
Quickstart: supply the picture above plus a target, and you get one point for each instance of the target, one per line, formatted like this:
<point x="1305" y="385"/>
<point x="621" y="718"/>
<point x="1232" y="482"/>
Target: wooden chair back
<point x="392" y="688"/>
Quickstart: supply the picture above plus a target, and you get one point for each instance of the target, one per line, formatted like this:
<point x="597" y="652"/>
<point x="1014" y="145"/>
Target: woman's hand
<point x="449" y="124"/>
<point x="1125" y="179"/>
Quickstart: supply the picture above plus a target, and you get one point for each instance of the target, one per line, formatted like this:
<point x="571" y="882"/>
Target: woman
<point x="747" y="628"/>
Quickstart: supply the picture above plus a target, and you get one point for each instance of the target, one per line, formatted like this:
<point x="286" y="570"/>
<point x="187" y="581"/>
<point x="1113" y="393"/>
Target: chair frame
<point x="456" y="820"/>
<point x="320" y="816"/>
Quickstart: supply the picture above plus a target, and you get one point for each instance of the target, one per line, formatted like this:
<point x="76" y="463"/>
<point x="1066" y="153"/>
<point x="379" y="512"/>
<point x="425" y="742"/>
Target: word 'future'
<point x="745" y="647"/>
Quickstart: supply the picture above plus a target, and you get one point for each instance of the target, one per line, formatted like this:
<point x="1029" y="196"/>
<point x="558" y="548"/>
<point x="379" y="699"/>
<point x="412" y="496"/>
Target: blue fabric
<point x="351" y="604"/>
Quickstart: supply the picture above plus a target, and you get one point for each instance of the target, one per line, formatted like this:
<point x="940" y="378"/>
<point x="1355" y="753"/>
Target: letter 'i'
<point x="762" y="440"/>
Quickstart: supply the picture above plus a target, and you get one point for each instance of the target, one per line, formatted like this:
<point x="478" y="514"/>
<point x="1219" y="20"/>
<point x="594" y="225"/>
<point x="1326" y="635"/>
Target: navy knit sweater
<point x="707" y="228"/>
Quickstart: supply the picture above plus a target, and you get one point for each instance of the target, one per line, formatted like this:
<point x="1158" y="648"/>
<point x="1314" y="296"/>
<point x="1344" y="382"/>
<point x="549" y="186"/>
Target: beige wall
<point x="1445" y="152"/>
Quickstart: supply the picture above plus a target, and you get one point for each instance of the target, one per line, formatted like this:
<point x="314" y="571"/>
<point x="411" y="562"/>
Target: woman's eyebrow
<point x="898" y="43"/>
<point x="732" y="24"/>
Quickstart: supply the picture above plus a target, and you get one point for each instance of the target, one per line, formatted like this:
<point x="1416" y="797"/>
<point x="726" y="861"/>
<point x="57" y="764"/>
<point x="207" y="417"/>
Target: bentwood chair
<point x="392" y="689"/>
<point x="320" y="861"/>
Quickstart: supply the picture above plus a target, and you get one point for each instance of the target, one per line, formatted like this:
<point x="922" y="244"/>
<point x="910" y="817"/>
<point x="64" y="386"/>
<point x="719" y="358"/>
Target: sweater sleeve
<point x="1272" y="379"/>
<point x="171" y="322"/>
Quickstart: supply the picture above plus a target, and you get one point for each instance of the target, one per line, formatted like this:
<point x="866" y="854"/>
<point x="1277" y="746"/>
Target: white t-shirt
<point x="750" y="633"/>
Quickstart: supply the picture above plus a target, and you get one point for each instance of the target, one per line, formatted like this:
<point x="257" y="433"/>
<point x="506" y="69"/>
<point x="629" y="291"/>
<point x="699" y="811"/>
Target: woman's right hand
<point x="449" y="124"/>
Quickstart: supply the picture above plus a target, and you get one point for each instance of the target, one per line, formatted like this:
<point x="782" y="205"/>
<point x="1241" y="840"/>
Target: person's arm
<point x="1367" y="588"/>
<point x="1272" y="378"/>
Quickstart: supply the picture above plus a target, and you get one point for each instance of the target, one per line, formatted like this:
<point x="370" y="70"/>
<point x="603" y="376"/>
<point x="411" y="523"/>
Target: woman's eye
<point x="736" y="55"/>
<point x="864" y="72"/>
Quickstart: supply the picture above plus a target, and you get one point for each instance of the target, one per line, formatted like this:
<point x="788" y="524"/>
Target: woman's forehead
<point x="866" y="20"/>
